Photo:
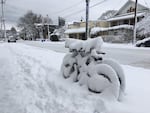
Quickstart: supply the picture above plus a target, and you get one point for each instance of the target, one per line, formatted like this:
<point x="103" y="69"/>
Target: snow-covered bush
<point x="86" y="65"/>
<point x="143" y="27"/>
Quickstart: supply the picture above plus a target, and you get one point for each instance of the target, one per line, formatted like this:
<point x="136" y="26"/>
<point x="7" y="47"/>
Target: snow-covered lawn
<point x="30" y="82"/>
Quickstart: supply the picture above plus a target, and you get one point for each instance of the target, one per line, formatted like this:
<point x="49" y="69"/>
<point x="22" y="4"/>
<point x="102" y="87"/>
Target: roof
<point x="122" y="14"/>
<point x="98" y="29"/>
<point x="121" y="17"/>
<point x="77" y="30"/>
<point x="130" y="2"/>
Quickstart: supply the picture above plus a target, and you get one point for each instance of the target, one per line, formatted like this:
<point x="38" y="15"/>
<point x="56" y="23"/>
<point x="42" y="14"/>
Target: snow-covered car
<point x="11" y="39"/>
<point x="56" y="35"/>
<point x="143" y="43"/>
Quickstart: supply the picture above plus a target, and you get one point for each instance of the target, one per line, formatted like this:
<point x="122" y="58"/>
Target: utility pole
<point x="3" y="27"/>
<point x="135" y="21"/>
<point x="48" y="22"/>
<point x="87" y="19"/>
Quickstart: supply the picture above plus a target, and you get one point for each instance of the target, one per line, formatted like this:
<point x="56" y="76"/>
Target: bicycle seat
<point x="84" y="45"/>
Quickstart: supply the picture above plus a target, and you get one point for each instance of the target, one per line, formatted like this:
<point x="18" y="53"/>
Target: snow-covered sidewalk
<point x="30" y="82"/>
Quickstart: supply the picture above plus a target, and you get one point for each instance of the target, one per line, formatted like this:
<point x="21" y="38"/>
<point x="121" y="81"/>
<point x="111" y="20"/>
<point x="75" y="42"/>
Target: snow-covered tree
<point x="107" y="14"/>
<point x="143" y="27"/>
<point x="27" y="24"/>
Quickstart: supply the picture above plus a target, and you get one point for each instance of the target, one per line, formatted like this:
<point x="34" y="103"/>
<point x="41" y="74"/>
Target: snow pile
<point x="98" y="29"/>
<point x="85" y="64"/>
<point x="30" y="82"/>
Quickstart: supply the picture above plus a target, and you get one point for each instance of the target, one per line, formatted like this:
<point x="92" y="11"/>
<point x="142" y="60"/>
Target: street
<point x="138" y="57"/>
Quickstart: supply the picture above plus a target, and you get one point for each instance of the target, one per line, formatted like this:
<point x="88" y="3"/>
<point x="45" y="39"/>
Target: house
<point x="43" y="29"/>
<point x="77" y="29"/>
<point x="121" y="24"/>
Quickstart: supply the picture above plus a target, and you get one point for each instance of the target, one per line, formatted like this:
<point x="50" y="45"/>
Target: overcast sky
<point x="54" y="8"/>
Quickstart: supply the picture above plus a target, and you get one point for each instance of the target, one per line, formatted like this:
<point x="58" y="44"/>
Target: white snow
<point x="30" y="82"/>
<point x="86" y="46"/>
<point x="75" y="30"/>
<point x="121" y="17"/>
<point x="98" y="29"/>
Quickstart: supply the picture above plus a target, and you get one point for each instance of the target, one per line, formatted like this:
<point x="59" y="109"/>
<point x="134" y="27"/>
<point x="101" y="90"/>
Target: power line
<point x="82" y="10"/>
<point x="98" y="3"/>
<point x="117" y="4"/>
<point x="70" y="7"/>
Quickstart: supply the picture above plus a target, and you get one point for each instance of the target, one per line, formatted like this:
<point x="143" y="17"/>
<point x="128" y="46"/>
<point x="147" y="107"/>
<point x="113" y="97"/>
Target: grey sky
<point x="54" y="8"/>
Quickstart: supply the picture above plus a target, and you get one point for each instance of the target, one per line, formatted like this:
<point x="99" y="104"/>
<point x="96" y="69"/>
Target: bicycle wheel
<point x="120" y="73"/>
<point x="104" y="80"/>
<point x="69" y="67"/>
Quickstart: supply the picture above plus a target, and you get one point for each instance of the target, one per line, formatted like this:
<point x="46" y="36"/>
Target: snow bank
<point x="30" y="82"/>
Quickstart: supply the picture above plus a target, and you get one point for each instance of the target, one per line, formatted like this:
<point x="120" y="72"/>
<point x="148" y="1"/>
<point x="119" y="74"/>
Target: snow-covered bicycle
<point x="86" y="65"/>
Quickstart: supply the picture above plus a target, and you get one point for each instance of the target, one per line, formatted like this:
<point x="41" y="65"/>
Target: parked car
<point x="143" y="43"/>
<point x="54" y="38"/>
<point x="11" y="39"/>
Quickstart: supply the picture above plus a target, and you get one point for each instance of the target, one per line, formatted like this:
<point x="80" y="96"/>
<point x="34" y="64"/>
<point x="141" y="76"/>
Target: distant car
<point x="11" y="39"/>
<point x="143" y="43"/>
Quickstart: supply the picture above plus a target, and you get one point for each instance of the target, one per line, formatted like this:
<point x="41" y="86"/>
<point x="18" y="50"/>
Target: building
<point x="43" y="29"/>
<point x="121" y="24"/>
<point x="118" y="28"/>
<point x="77" y="29"/>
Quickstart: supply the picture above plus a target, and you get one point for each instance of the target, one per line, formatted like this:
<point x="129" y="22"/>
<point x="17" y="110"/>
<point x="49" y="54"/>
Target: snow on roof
<point x="77" y="30"/>
<point x="97" y="29"/>
<point x="126" y="16"/>
<point x="41" y="24"/>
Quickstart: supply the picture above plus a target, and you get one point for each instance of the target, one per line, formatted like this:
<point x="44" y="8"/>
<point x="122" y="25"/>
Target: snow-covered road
<point x="30" y="82"/>
<point x="125" y="54"/>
